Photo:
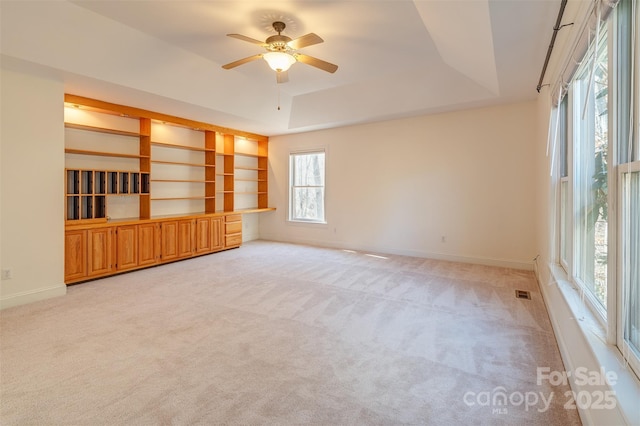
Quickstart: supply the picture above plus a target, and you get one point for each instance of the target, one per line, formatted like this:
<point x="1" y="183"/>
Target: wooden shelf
<point x="102" y="154"/>
<point x="183" y="180"/>
<point x="180" y="163"/>
<point x="250" y="180"/>
<point x="100" y="129"/>
<point x="255" y="210"/>
<point x="213" y="170"/>
<point x="176" y="146"/>
<point x="255" y="169"/>
<point x="244" y="154"/>
<point x="180" y="198"/>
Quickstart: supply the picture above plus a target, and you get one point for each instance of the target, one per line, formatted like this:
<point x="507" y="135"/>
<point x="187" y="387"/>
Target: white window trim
<point x="586" y="296"/>
<point x="568" y="231"/>
<point x="302" y="222"/>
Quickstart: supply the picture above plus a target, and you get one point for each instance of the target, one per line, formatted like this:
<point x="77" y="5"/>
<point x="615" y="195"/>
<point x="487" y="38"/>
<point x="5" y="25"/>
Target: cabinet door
<point x="217" y="233"/>
<point x="99" y="253"/>
<point x="148" y="244"/>
<point x="127" y="249"/>
<point x="203" y="235"/>
<point x="169" y="249"/>
<point x="75" y="255"/>
<point x="186" y="237"/>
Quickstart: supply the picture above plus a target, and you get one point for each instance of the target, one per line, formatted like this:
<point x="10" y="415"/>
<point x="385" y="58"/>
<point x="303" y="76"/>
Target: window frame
<point x="566" y="170"/>
<point x="290" y="215"/>
<point x="576" y="124"/>
<point x="619" y="163"/>
<point x="627" y="78"/>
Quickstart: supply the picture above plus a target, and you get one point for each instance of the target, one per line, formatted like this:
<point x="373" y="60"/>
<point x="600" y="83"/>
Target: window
<point x="306" y="199"/>
<point x="591" y="147"/>
<point x="599" y="183"/>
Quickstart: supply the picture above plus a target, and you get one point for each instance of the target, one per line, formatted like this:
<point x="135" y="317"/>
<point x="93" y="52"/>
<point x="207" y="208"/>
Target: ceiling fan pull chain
<point x="278" y="97"/>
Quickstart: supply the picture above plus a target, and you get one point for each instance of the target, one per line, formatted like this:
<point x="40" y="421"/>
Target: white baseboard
<point x="32" y="296"/>
<point x="504" y="263"/>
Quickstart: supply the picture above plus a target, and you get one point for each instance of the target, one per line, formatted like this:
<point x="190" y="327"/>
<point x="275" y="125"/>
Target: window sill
<point x="590" y="350"/>
<point x="305" y="223"/>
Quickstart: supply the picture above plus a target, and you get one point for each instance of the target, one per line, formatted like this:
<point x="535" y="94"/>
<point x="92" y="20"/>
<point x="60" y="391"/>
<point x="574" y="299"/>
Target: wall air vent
<point x="522" y="294"/>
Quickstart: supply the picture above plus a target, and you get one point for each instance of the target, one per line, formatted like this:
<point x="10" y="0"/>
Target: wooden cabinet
<point x="210" y="234"/>
<point x="100" y="251"/>
<point x="186" y="238"/>
<point x="149" y="244"/>
<point x="121" y="215"/>
<point x="75" y="255"/>
<point x="169" y="239"/>
<point x="233" y="230"/>
<point x="203" y="235"/>
<point x="217" y="233"/>
<point x="127" y="247"/>
<point x="178" y="239"/>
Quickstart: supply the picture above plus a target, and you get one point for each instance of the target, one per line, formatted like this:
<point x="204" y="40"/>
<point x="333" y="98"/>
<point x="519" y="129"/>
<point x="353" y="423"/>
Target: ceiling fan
<point x="282" y="52"/>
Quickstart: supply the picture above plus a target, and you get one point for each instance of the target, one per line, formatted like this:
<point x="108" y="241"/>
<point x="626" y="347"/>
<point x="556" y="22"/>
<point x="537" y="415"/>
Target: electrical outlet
<point x="6" y="274"/>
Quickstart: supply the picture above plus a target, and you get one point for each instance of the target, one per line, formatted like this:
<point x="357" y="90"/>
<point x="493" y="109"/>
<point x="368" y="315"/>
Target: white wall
<point x="400" y="186"/>
<point x="32" y="175"/>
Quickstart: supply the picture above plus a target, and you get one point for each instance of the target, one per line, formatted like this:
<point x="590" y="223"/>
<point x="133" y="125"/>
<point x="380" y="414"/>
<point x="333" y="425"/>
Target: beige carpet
<point x="275" y="333"/>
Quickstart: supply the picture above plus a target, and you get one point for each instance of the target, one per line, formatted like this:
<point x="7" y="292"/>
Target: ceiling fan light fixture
<point x="279" y="61"/>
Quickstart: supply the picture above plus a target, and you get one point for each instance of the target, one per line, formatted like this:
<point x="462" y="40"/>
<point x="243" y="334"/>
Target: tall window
<point x="599" y="185"/>
<point x="591" y="146"/>
<point x="306" y="200"/>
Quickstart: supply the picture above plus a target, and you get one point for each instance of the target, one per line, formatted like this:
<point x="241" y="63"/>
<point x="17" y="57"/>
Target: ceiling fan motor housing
<point x="278" y="43"/>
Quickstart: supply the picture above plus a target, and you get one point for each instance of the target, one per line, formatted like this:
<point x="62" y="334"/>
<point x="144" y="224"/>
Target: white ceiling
<point x="396" y="58"/>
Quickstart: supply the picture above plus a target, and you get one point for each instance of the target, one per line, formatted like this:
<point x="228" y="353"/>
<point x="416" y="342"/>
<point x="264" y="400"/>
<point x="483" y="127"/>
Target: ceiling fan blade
<point x="241" y="61"/>
<point x="315" y="62"/>
<point x="304" y="41"/>
<point x="282" y="77"/>
<point x="249" y="39"/>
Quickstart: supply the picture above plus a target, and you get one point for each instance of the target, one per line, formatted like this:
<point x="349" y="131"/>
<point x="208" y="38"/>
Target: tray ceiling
<point x="396" y="58"/>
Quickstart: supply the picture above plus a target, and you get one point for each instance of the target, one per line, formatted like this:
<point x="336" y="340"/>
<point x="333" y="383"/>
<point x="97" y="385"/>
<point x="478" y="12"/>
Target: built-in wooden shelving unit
<point x="144" y="188"/>
<point x="186" y="166"/>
